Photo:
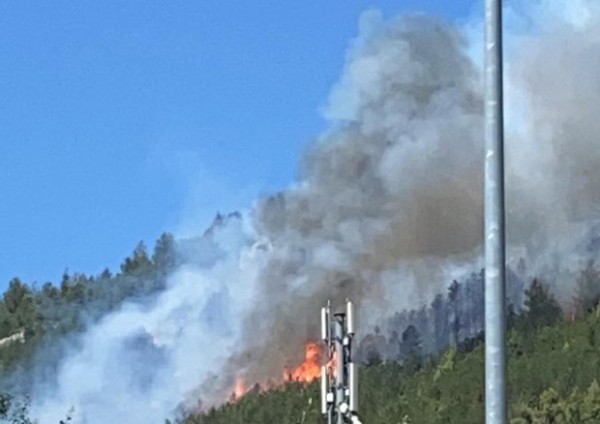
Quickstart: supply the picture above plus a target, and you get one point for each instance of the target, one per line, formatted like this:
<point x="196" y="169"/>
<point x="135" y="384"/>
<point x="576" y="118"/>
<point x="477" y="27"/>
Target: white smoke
<point x="388" y="210"/>
<point x="390" y="204"/>
<point x="139" y="363"/>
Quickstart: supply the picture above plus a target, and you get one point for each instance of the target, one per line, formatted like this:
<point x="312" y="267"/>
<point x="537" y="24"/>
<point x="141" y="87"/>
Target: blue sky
<point x="120" y="120"/>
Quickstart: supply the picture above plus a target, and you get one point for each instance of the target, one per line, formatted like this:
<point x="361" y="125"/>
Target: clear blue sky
<point x="123" y="119"/>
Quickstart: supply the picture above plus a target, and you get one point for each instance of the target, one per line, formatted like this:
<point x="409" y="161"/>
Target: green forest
<point x="553" y="376"/>
<point x="435" y="377"/>
<point x="34" y="318"/>
<point x="47" y="313"/>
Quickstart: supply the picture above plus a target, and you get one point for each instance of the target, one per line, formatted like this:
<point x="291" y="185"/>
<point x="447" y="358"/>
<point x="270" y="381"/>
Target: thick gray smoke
<point x="553" y="154"/>
<point x="393" y="190"/>
<point x="390" y="203"/>
<point x="387" y="211"/>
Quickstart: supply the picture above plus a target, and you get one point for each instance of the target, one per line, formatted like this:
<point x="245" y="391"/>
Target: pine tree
<point x="542" y="307"/>
<point x="588" y="288"/>
<point x="411" y="343"/>
<point x="453" y="292"/>
<point x="20" y="304"/>
<point x="138" y="263"/>
<point x="164" y="253"/>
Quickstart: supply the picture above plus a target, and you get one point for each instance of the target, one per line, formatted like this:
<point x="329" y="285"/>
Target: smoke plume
<point x="390" y="203"/>
<point x="387" y="210"/>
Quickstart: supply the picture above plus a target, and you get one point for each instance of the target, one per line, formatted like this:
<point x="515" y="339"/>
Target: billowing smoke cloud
<point x="388" y="209"/>
<point x="390" y="203"/>
<point x="553" y="154"/>
<point x="139" y="364"/>
<point x="394" y="187"/>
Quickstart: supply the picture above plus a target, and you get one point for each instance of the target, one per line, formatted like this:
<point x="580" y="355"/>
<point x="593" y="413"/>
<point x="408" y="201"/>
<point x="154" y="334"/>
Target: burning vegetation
<point x="389" y="204"/>
<point x="310" y="369"/>
<point x="306" y="372"/>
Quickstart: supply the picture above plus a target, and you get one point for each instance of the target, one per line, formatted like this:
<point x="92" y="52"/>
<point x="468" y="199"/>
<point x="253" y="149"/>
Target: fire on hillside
<point x="306" y="372"/>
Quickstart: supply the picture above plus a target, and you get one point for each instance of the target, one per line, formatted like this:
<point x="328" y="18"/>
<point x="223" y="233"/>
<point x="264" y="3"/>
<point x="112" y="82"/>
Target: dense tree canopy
<point x="426" y="367"/>
<point x="553" y="375"/>
<point x="44" y="315"/>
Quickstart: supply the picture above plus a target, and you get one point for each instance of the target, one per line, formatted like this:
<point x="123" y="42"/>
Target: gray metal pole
<point x="495" y="320"/>
<point x="339" y="378"/>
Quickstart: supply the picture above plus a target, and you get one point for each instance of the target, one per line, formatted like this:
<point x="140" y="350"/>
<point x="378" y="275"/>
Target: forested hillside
<point x="32" y="316"/>
<point x="424" y="366"/>
<point x="35" y="319"/>
<point x="41" y="325"/>
<point x="553" y="376"/>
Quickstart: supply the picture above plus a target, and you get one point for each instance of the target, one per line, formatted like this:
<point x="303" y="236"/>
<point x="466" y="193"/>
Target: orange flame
<point x="310" y="369"/>
<point x="239" y="389"/>
<point x="307" y="372"/>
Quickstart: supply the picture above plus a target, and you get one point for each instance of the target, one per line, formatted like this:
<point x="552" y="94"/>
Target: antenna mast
<point x="339" y="378"/>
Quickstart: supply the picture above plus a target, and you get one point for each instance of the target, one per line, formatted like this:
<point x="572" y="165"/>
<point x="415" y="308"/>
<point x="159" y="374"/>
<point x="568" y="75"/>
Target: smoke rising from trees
<point x="390" y="202"/>
<point x="387" y="211"/>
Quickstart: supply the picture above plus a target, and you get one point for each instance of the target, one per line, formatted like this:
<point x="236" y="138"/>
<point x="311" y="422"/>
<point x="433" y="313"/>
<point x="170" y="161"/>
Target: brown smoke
<point x="396" y="179"/>
<point x="391" y="196"/>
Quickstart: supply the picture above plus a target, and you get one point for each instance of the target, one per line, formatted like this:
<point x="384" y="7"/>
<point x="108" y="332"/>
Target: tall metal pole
<point x="495" y="320"/>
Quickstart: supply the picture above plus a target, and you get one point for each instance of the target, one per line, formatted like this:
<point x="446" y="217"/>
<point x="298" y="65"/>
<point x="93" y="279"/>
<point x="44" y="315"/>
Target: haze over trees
<point x="553" y="375"/>
<point x="423" y="366"/>
<point x="47" y="314"/>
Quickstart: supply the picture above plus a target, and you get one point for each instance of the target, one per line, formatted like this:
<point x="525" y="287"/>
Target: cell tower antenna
<point x="339" y="378"/>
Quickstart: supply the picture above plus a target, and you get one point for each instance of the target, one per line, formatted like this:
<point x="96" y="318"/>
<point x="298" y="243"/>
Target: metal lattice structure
<point x="339" y="378"/>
